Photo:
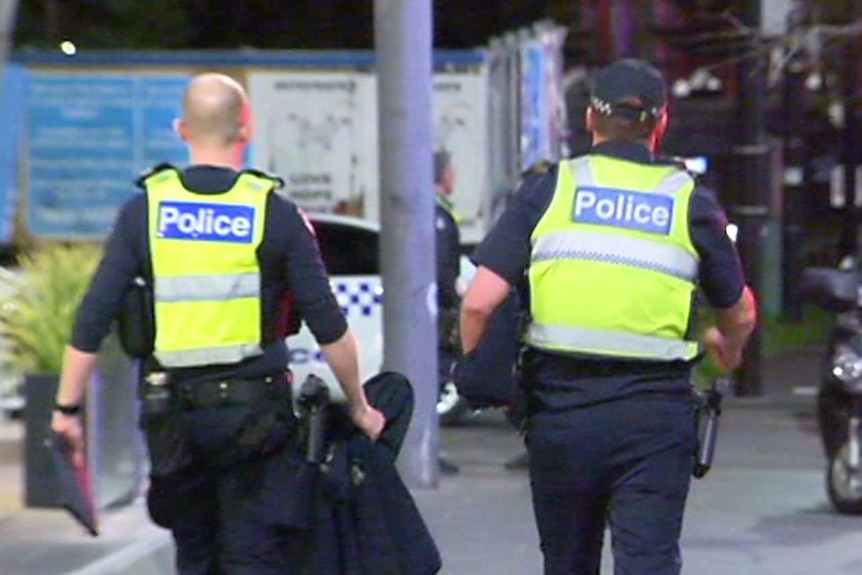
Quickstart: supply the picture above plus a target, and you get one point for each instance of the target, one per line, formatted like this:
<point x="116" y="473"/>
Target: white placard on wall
<point x="318" y="131"/>
<point x="308" y="132"/>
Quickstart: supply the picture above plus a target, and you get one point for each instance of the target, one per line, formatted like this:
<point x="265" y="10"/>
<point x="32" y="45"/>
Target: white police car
<point x="349" y="248"/>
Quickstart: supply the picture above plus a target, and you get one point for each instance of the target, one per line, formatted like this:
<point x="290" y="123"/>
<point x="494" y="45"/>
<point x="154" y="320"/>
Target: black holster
<point x="136" y="320"/>
<point x="162" y="423"/>
<point x="708" y="414"/>
<point x="519" y="409"/>
<point x="313" y="404"/>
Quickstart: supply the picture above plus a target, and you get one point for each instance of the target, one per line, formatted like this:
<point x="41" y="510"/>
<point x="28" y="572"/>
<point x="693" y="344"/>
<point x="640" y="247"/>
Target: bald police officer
<point x="614" y="245"/>
<point x="220" y="249"/>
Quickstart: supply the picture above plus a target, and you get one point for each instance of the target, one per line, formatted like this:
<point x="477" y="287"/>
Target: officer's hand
<point x="369" y="420"/>
<point x="70" y="429"/>
<point x="723" y="352"/>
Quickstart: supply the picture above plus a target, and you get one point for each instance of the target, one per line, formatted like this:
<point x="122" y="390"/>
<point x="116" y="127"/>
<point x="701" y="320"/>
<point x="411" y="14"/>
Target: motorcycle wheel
<point x="451" y="407"/>
<point x="843" y="486"/>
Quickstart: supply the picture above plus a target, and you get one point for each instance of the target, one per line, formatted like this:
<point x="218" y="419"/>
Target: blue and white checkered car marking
<point x="357" y="297"/>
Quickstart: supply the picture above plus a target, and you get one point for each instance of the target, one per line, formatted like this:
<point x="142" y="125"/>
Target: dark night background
<point x="328" y="24"/>
<point x="679" y="36"/>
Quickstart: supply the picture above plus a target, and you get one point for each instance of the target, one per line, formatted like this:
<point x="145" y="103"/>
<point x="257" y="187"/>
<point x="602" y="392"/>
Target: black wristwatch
<point x="67" y="409"/>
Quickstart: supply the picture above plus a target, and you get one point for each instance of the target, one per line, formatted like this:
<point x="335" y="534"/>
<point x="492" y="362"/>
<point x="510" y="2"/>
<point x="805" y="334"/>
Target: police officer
<point x="448" y="240"/>
<point x="614" y="245"/>
<point x="448" y="236"/>
<point x="220" y="249"/>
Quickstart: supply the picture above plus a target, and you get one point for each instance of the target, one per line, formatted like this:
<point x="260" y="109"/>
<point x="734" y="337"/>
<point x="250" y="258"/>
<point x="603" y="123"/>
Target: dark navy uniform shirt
<point x="288" y="257"/>
<point x="448" y="240"/>
<point x="564" y="381"/>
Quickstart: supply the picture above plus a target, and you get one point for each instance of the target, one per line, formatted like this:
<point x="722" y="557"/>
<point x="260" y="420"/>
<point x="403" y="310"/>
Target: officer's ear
<point x="589" y="119"/>
<point x="181" y="129"/>
<point x="658" y="131"/>
<point x="661" y="125"/>
<point x="246" y="127"/>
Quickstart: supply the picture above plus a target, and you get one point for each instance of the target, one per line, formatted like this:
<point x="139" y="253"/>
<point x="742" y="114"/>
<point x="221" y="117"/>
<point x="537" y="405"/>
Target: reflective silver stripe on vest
<point x="208" y="355"/>
<point x="582" y="171"/>
<point x="206" y="287"/>
<point x="592" y="340"/>
<point x="667" y="259"/>
<point x="672" y="183"/>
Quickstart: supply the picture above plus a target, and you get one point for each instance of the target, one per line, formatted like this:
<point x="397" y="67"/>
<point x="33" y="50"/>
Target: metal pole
<point x="402" y="30"/>
<point x="752" y="165"/>
<point x="849" y="245"/>
<point x="796" y="168"/>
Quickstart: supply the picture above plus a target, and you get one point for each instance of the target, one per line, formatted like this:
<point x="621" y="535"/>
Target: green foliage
<point x="38" y="304"/>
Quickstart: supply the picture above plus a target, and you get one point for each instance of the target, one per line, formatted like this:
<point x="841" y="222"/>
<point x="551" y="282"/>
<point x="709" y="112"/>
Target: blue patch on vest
<point x="206" y="222"/>
<point x="644" y="212"/>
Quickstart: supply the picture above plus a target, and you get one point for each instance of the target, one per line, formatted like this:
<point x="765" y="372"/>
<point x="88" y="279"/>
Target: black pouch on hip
<point x="136" y="321"/>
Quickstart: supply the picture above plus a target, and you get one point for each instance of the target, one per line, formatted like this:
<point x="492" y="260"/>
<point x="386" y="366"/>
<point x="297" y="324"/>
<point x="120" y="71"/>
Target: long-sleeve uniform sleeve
<point x="721" y="274"/>
<point x="506" y="248"/>
<point x="121" y="262"/>
<point x="307" y="278"/>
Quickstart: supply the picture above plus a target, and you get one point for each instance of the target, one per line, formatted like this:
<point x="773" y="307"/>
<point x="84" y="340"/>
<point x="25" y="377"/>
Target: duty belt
<point x="219" y="393"/>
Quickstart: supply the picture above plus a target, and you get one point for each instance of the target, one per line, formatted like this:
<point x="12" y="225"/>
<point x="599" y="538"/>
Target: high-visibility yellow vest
<point x="206" y="276"/>
<point x="613" y="269"/>
<point x="449" y="207"/>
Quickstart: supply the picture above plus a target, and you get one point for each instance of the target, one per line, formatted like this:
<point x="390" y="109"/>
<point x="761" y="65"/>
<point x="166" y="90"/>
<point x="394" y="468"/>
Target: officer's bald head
<point x="215" y="111"/>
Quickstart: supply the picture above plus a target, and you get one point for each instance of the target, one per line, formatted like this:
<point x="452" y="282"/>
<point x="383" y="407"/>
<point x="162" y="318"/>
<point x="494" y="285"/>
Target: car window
<point x="347" y="250"/>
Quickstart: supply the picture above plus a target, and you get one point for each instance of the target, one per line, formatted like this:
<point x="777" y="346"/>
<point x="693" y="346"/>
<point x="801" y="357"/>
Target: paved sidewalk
<point x="49" y="542"/>
<point x="762" y="511"/>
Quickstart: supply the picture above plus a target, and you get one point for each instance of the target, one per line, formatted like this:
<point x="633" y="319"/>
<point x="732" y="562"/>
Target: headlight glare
<point x="847" y="367"/>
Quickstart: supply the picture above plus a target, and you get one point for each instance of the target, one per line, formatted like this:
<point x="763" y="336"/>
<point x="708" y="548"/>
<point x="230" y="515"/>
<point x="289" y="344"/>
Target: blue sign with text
<point x="90" y="135"/>
<point x="81" y="142"/>
<point x="159" y="104"/>
<point x="13" y="105"/>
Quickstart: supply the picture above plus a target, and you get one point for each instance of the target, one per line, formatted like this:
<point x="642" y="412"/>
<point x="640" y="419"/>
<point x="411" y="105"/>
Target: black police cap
<point x="629" y="88"/>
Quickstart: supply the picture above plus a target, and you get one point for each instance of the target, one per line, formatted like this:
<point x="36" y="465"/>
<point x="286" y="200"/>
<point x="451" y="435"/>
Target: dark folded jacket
<point x="366" y="522"/>
<point x="486" y="378"/>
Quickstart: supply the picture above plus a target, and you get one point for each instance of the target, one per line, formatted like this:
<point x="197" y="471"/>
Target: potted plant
<point x="38" y="302"/>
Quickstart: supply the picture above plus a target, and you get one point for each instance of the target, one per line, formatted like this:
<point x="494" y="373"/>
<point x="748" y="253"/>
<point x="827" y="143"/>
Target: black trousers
<point x="626" y="464"/>
<point x="238" y="508"/>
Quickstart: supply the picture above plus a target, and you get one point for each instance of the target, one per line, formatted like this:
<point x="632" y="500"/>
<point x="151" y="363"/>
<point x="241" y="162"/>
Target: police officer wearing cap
<point x="614" y="245"/>
<point x="220" y="249"/>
